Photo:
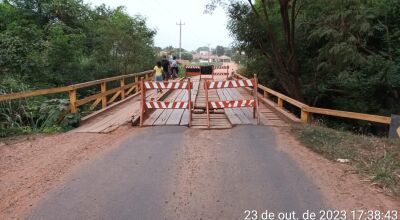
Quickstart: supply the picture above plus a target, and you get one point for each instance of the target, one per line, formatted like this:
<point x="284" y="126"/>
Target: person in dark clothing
<point x="165" y="65"/>
<point x="174" y="68"/>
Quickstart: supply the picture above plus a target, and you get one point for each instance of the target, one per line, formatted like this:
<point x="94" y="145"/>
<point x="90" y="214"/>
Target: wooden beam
<point x="96" y="96"/>
<point x="130" y="90"/>
<point x="93" y="106"/>
<point x="115" y="96"/>
<point x="19" y="95"/>
<point x="106" y="80"/>
<point x="68" y="88"/>
<point x="352" y="115"/>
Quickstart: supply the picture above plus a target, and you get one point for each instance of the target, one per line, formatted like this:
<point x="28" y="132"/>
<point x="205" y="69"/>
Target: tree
<point x="202" y="49"/>
<point x="219" y="50"/>
<point x="269" y="27"/>
<point x="187" y="56"/>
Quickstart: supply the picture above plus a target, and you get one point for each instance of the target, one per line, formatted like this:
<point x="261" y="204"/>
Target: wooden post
<point x="207" y="107"/>
<point x="257" y="107"/>
<point x="122" y="85"/>
<point x="137" y="87"/>
<point x="265" y="94"/>
<point x="190" y="102"/>
<point x="72" y="101"/>
<point x="142" y="101"/>
<point x="280" y="103"/>
<point x="103" y="97"/>
<point x="147" y="76"/>
<point x="304" y="116"/>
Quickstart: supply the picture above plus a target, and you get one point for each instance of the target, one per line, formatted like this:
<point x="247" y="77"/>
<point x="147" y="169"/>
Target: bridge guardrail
<point x="122" y="92"/>
<point x="307" y="110"/>
<point x="144" y="105"/>
<point x="233" y="103"/>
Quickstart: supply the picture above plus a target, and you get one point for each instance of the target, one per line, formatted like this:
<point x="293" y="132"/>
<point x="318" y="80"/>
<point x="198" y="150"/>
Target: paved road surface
<point x="180" y="173"/>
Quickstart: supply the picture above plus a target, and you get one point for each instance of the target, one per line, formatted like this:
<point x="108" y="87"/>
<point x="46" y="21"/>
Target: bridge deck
<point x="220" y="119"/>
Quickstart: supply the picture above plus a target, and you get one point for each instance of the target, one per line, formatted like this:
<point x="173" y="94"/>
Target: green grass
<point x="376" y="158"/>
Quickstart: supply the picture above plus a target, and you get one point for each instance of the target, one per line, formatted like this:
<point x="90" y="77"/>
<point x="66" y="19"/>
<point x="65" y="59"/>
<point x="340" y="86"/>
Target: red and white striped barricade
<point x="192" y="70"/>
<point x="221" y="71"/>
<point x="146" y="105"/>
<point x="233" y="103"/>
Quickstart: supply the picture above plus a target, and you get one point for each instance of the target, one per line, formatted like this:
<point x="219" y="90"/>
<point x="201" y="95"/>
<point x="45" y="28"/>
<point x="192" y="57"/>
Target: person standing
<point x="174" y="68"/>
<point x="165" y="66"/>
<point x="158" y="74"/>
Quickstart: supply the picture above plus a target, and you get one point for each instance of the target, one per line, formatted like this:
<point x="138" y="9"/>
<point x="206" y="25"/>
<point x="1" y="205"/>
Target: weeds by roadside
<point x="374" y="157"/>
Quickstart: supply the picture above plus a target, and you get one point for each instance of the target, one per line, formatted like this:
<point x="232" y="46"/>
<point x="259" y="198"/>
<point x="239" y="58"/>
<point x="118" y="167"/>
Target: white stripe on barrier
<point x="234" y="83"/>
<point x="212" y="84"/>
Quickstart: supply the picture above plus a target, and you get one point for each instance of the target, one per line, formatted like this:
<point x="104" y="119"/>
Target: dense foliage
<point x="344" y="54"/>
<point x="48" y="43"/>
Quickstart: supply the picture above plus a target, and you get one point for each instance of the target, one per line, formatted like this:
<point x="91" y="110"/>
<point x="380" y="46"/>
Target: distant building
<point x="206" y="56"/>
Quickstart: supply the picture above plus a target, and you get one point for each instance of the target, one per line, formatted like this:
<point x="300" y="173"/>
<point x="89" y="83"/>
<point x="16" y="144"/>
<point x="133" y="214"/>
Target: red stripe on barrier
<point x="231" y="104"/>
<point x="167" y="105"/>
<point x="230" y="84"/>
<point x="167" y="85"/>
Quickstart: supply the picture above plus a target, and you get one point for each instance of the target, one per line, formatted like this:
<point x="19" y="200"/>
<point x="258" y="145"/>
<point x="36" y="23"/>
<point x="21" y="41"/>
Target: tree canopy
<point x="337" y="54"/>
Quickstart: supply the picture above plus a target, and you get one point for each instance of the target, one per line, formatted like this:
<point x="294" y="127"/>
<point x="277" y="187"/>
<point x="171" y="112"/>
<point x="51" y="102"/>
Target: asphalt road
<point x="180" y="173"/>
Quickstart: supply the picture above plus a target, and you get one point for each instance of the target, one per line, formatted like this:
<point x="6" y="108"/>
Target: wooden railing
<point x="307" y="110"/>
<point x="123" y="91"/>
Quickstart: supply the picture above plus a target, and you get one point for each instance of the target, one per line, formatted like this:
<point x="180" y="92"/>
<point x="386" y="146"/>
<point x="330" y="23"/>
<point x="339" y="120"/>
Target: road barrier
<point x="145" y="105"/>
<point x="192" y="70"/>
<point x="233" y="103"/>
<point x="221" y="71"/>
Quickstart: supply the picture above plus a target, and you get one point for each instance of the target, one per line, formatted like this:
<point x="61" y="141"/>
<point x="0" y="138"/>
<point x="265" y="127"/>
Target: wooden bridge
<point x="116" y="105"/>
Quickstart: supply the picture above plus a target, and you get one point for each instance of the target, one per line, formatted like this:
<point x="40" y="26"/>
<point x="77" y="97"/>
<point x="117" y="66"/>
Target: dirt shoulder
<point x="30" y="166"/>
<point x="340" y="184"/>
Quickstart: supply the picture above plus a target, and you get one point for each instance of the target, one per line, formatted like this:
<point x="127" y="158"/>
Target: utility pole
<point x="209" y="52"/>
<point x="180" y="38"/>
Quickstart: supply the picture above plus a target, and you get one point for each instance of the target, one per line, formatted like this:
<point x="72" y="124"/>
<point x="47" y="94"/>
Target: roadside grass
<point x="376" y="158"/>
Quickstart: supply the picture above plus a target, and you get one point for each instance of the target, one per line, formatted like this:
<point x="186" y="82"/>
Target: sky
<point x="163" y="15"/>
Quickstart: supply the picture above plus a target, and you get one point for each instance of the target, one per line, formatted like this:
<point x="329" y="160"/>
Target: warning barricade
<point x="233" y="103"/>
<point x="192" y="70"/>
<point x="221" y="71"/>
<point x="146" y="105"/>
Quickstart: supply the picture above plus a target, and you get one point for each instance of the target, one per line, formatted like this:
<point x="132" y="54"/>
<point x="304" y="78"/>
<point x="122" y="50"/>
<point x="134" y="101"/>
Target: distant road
<point x="180" y="173"/>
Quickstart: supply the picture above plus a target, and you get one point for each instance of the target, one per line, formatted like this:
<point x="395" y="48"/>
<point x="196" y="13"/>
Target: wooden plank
<point x="165" y="115"/>
<point x="110" y="116"/>
<point x="176" y="115"/>
<point x="246" y="110"/>
<point x="230" y="114"/>
<point x="185" y="116"/>
<point x="156" y="114"/>
<point x="237" y="111"/>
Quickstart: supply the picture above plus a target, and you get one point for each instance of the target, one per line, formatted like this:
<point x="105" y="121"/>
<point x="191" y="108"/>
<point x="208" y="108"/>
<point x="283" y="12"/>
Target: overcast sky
<point x="162" y="15"/>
